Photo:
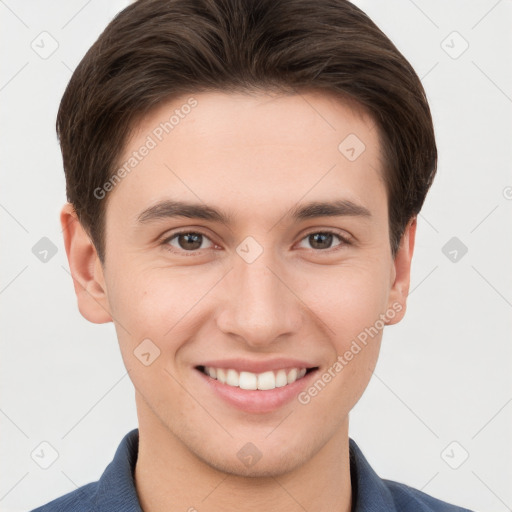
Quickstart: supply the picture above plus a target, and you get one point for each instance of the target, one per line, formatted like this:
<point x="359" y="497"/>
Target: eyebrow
<point x="171" y="208"/>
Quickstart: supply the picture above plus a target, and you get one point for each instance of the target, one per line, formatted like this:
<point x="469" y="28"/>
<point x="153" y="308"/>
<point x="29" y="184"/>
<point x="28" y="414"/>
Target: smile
<point x="253" y="381"/>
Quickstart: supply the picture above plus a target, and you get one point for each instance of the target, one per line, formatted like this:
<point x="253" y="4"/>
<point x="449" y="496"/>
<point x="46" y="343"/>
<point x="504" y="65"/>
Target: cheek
<point x="134" y="303"/>
<point x="158" y="303"/>
<point x="348" y="299"/>
<point x="350" y="303"/>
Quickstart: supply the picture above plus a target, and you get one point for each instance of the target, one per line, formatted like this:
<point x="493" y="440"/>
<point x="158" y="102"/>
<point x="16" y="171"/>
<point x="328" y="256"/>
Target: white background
<point x="444" y="372"/>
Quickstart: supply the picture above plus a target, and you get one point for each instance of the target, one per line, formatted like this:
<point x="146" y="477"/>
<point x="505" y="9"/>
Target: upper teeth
<point x="249" y="380"/>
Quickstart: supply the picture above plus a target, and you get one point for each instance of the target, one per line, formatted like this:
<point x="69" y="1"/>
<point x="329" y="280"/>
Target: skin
<point x="255" y="156"/>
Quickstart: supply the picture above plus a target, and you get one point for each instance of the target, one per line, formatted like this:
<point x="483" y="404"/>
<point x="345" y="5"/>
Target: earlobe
<point x="86" y="269"/>
<point x="402" y="273"/>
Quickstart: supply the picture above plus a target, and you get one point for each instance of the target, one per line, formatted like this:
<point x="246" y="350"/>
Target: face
<point x="251" y="278"/>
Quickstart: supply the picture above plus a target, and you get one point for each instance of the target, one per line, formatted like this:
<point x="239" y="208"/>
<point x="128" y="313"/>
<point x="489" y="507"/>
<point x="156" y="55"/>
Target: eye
<point x="187" y="241"/>
<point x="192" y="241"/>
<point x="322" y="240"/>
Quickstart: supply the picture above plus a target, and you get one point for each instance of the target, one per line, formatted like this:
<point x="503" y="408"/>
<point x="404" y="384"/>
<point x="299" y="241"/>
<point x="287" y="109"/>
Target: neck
<point x="169" y="476"/>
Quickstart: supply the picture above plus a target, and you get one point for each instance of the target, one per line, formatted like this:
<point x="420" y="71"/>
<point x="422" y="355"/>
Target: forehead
<point x="250" y="150"/>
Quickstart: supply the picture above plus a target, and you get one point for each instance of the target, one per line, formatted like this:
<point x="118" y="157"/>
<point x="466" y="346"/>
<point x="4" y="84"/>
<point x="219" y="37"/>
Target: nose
<point x="261" y="304"/>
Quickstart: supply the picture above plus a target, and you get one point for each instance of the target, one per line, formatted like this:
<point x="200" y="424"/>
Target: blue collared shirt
<point x="115" y="490"/>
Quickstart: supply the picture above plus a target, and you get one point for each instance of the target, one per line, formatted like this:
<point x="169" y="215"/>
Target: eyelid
<point x="173" y="235"/>
<point x="345" y="239"/>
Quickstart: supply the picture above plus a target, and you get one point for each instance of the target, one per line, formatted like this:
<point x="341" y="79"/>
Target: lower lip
<point x="257" y="401"/>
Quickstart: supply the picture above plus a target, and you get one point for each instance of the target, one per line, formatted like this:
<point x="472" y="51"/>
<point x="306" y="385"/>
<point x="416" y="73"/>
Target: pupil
<point x="323" y="237"/>
<point x="191" y="238"/>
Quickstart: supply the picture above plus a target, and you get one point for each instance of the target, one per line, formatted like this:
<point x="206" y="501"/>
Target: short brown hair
<point x="155" y="50"/>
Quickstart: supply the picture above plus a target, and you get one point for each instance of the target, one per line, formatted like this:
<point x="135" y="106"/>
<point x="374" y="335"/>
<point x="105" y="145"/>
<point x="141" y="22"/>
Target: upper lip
<point x="246" y="365"/>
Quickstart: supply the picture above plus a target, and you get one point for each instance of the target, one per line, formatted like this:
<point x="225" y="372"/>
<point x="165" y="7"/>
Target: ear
<point x="401" y="275"/>
<point x="86" y="269"/>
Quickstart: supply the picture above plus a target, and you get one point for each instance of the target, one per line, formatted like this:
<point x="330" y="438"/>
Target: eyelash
<point x="344" y="241"/>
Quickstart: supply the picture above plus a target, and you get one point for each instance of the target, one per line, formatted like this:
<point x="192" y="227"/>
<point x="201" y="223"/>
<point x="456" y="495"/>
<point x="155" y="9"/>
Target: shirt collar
<point x="369" y="492"/>
<point x="116" y="487"/>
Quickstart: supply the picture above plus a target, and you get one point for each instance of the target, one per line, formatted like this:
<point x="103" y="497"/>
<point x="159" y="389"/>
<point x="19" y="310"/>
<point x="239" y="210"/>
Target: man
<point x="243" y="182"/>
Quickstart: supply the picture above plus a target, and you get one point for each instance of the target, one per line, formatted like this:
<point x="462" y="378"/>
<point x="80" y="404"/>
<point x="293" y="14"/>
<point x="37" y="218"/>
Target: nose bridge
<point x="259" y="306"/>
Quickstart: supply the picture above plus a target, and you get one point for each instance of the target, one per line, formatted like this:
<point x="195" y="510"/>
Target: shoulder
<point x="409" y="499"/>
<point x="74" y="501"/>
<point x="115" y="490"/>
<point x="383" y="495"/>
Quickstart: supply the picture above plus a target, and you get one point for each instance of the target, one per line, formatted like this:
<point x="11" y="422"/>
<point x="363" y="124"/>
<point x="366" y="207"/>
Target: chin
<point x="249" y="461"/>
<point x="268" y="469"/>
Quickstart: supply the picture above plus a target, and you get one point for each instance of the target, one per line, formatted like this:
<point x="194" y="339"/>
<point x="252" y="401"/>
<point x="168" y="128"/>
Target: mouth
<point x="263" y="381"/>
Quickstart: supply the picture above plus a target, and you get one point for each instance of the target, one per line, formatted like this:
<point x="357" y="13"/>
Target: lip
<point x="257" y="401"/>
<point x="246" y="365"/>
